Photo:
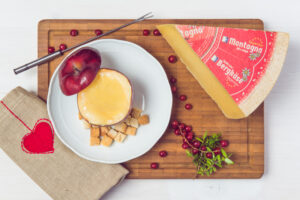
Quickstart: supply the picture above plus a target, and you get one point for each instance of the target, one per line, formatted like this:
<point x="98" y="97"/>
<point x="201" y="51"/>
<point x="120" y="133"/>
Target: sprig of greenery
<point x="204" y="165"/>
<point x="210" y="141"/>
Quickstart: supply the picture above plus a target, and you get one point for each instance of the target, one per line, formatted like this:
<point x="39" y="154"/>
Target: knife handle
<point x="39" y="61"/>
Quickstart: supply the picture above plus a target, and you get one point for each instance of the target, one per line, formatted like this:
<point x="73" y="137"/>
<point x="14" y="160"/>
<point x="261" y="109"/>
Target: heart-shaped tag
<point x="40" y="140"/>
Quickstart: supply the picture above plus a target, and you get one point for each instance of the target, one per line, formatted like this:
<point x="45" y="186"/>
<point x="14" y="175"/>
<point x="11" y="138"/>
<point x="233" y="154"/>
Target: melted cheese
<point x="107" y="100"/>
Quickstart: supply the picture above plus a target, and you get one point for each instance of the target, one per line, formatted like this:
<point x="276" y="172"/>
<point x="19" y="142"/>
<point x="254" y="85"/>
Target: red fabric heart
<point x="40" y="140"/>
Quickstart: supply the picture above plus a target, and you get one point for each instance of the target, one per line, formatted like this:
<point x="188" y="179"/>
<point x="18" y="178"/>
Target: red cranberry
<point x="195" y="151"/>
<point x="177" y="132"/>
<point x="190" y="136"/>
<point x="154" y="165"/>
<point x="224" y="143"/>
<point x="181" y="126"/>
<point x="98" y="32"/>
<point x="173" y="80"/>
<point x="203" y="148"/>
<point x="188" y="128"/>
<point x="146" y="32"/>
<point x="188" y="106"/>
<point x="196" y="144"/>
<point x="156" y="32"/>
<point x="172" y="59"/>
<point x="175" y="124"/>
<point x="62" y="47"/>
<point x="209" y="155"/>
<point x="185" y="145"/>
<point x="174" y="88"/>
<point x="184" y="133"/>
<point x="173" y="127"/>
<point x="163" y="153"/>
<point x="74" y="32"/>
<point x="217" y="151"/>
<point x="182" y="97"/>
<point x="51" y="49"/>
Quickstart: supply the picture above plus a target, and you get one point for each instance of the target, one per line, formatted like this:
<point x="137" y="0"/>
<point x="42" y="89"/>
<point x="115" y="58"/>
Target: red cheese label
<point x="237" y="57"/>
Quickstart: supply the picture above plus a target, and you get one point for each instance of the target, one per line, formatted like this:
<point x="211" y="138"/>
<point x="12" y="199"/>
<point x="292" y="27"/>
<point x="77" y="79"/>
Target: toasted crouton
<point x="134" y="122"/>
<point x="135" y="113"/>
<point x="95" y="132"/>
<point x="106" y="141"/>
<point x="120" y="137"/>
<point x="103" y="130"/>
<point x="144" y="119"/>
<point x="131" y="131"/>
<point x="112" y="133"/>
<point x="94" y="141"/>
<point x="127" y="120"/>
<point x="121" y="127"/>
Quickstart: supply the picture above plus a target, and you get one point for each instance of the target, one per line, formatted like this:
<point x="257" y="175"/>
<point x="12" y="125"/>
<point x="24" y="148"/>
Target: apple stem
<point x="77" y="69"/>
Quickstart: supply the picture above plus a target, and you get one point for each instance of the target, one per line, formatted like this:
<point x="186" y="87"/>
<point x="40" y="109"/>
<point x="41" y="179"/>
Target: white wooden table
<point x="18" y="44"/>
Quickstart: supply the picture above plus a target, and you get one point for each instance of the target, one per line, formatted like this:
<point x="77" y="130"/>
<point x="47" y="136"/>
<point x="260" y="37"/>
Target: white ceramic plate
<point x="151" y="93"/>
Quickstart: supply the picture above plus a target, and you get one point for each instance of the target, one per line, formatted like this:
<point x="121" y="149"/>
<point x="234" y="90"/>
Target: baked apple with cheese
<point x="107" y="100"/>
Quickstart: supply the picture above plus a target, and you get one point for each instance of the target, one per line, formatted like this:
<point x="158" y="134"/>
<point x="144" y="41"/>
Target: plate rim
<point x="99" y="160"/>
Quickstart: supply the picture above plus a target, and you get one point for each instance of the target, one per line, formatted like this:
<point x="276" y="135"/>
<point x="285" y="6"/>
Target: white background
<point x="18" y="44"/>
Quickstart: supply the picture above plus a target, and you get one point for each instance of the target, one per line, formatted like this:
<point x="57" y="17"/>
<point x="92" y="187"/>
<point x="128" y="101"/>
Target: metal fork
<point x="59" y="53"/>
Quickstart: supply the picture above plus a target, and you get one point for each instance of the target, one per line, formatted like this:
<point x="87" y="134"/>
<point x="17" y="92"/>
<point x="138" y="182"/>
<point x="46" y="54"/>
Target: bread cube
<point x="134" y="122"/>
<point x="106" y="141"/>
<point x="144" y="119"/>
<point x="127" y="120"/>
<point x="120" y="137"/>
<point x="95" y="132"/>
<point x="121" y="127"/>
<point x="112" y="133"/>
<point x="94" y="141"/>
<point x="131" y="131"/>
<point x="103" y="130"/>
<point x="135" y="112"/>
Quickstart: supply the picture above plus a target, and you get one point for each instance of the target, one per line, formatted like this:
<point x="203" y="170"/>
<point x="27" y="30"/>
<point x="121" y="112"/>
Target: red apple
<point x="79" y="70"/>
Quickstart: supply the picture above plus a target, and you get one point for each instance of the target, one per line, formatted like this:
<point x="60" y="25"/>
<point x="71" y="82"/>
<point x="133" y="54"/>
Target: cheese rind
<point x="236" y="67"/>
<point x="267" y="82"/>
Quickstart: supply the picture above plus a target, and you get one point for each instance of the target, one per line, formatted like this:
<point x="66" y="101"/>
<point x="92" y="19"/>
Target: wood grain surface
<point x="246" y="136"/>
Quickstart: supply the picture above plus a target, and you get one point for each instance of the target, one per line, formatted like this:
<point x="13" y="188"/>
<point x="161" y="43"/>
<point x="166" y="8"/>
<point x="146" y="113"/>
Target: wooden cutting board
<point x="246" y="136"/>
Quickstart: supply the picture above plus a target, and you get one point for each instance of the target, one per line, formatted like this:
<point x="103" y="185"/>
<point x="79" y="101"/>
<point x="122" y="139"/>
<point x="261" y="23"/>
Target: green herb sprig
<point x="204" y="164"/>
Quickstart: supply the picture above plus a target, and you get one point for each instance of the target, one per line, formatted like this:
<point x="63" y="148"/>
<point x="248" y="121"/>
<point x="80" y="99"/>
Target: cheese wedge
<point x="236" y="67"/>
<point x="107" y="100"/>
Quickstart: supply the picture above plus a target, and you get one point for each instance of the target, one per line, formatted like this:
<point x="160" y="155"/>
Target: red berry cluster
<point x="73" y="33"/>
<point x="146" y="32"/>
<point x="61" y="47"/>
<point x="162" y="154"/>
<point x="182" y="97"/>
<point x="188" y="140"/>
